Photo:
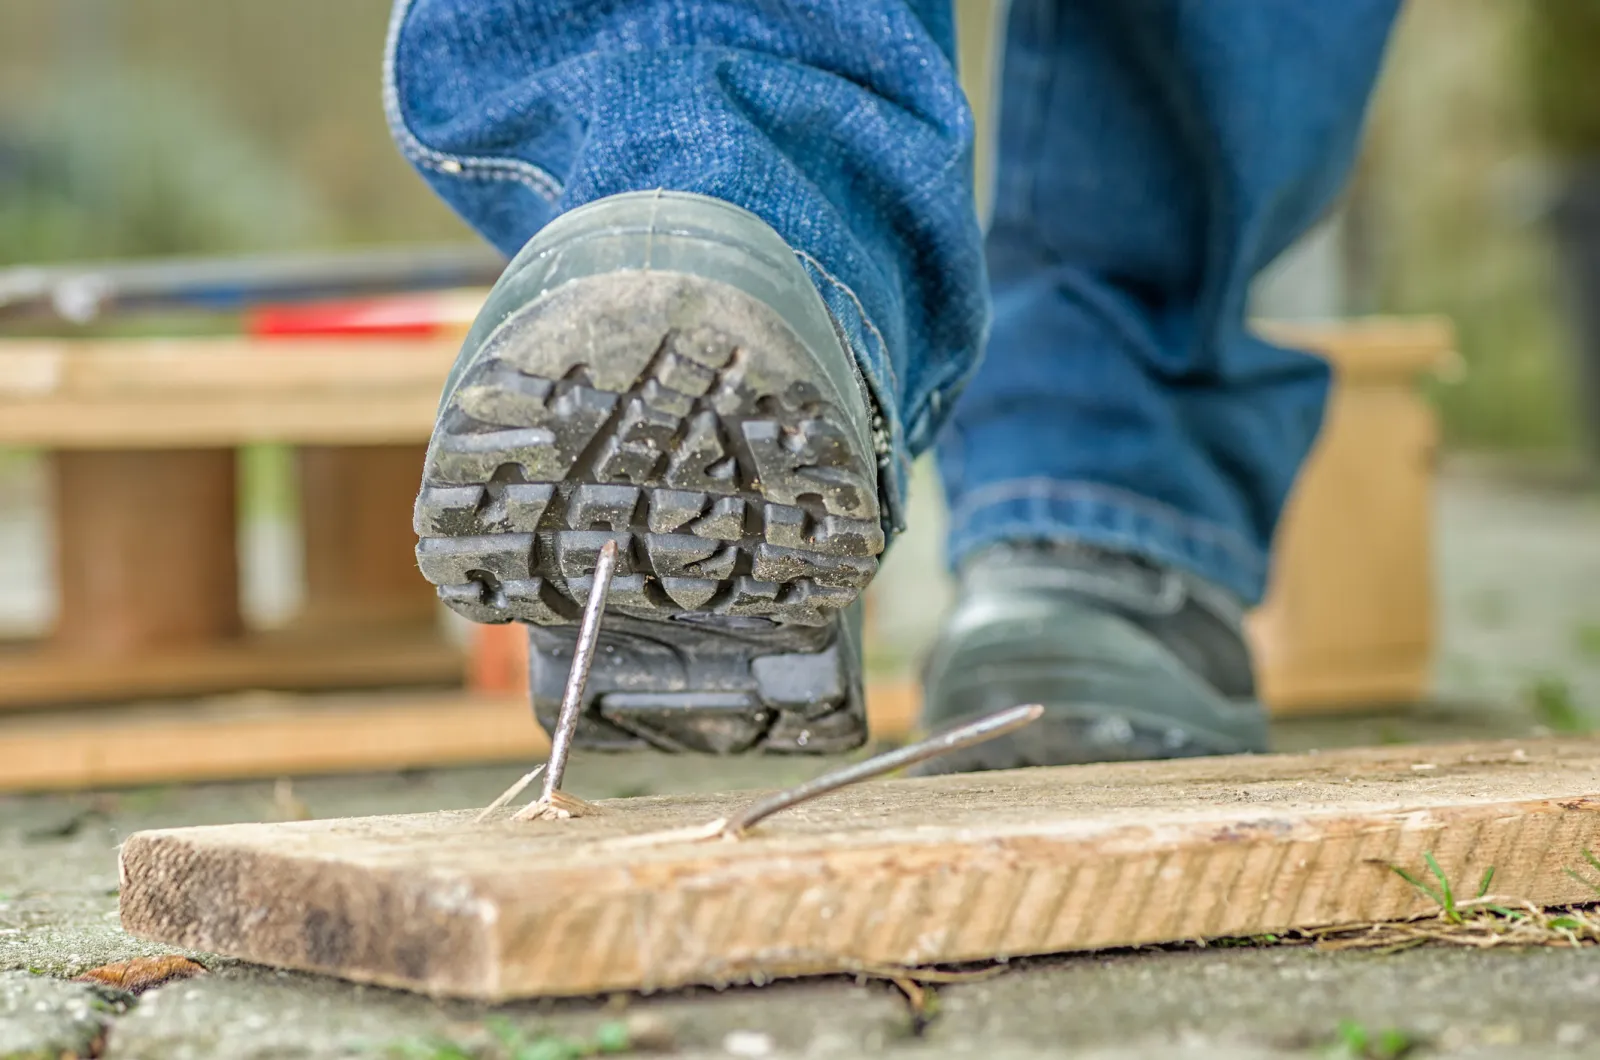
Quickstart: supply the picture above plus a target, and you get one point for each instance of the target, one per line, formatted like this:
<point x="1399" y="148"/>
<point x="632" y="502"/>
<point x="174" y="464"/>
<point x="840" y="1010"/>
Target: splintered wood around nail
<point x="888" y="873"/>
<point x="560" y="806"/>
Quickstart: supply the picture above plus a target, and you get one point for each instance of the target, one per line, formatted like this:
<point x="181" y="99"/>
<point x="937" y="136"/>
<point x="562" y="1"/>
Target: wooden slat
<point x="904" y="872"/>
<point x="328" y="419"/>
<point x="1393" y="349"/>
<point x="129" y="369"/>
<point x="266" y="734"/>
<point x="174" y="393"/>
<point x="144" y="553"/>
<point x="262" y="735"/>
<point x="355" y="517"/>
<point x="33" y="675"/>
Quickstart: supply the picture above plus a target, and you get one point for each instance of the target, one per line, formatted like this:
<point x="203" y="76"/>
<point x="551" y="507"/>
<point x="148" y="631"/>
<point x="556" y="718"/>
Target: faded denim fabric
<point x="1154" y="155"/>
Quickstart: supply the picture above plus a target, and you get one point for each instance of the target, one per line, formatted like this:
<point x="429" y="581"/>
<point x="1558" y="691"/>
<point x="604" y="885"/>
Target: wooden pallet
<point x="141" y="438"/>
<point x="884" y="875"/>
<point x="142" y="435"/>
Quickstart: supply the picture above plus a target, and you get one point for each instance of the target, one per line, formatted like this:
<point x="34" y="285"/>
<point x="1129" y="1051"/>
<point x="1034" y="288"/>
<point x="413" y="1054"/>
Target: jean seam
<point x="861" y="311"/>
<point x="893" y="464"/>
<point x="1055" y="489"/>
<point x="425" y="157"/>
<point x="949" y="381"/>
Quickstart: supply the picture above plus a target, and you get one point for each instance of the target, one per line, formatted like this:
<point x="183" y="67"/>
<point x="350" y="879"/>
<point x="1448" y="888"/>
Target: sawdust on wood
<point x="558" y="807"/>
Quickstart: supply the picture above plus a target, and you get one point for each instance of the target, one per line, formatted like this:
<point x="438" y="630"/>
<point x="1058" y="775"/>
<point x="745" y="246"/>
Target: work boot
<point x="657" y="369"/>
<point x="1131" y="660"/>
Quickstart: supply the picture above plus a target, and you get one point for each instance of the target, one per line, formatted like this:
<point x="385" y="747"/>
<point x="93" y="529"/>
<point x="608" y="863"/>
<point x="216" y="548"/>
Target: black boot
<point x="657" y="369"/>
<point x="1131" y="660"/>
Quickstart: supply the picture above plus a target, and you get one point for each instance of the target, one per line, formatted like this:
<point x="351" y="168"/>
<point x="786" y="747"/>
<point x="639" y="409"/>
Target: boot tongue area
<point x="1201" y="623"/>
<point x="1115" y="579"/>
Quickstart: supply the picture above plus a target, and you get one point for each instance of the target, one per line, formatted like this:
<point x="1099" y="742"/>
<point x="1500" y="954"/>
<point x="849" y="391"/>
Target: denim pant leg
<point x="1154" y="156"/>
<point x="839" y="122"/>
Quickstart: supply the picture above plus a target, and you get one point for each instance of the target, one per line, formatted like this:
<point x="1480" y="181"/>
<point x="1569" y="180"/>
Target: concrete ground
<point x="1520" y="599"/>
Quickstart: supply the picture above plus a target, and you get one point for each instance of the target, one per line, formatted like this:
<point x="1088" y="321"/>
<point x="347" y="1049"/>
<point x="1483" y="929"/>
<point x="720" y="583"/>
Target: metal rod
<point x="968" y="735"/>
<point x="83" y="292"/>
<point x="582" y="661"/>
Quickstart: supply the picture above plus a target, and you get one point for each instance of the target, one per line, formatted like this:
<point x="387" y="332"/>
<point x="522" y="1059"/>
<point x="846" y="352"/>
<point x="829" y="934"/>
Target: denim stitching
<point x="1044" y="488"/>
<point x="425" y="157"/>
<point x="861" y="311"/>
<point x="952" y="379"/>
<point x="894" y="464"/>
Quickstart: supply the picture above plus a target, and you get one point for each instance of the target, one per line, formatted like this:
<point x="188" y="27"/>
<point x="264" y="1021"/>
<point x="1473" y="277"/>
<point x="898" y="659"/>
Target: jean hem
<point x="419" y="154"/>
<point x="1040" y="509"/>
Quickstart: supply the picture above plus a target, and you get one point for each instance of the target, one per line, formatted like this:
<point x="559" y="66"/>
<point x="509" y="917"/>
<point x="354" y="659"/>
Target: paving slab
<point x="46" y="1019"/>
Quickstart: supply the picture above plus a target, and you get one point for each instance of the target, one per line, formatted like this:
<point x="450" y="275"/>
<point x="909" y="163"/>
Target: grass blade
<point x="1418" y="884"/>
<point x="1449" y="900"/>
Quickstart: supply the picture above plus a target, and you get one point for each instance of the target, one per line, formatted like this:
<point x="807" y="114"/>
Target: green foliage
<point x="427" y="1049"/>
<point x="1594" y="863"/>
<point x="1561" y="56"/>
<point x="1586" y="638"/>
<point x="128" y="166"/>
<point x="1356" y="1041"/>
<point x="1551" y="701"/>
<point x="511" y="1043"/>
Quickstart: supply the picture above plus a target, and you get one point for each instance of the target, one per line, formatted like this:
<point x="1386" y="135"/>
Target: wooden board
<point x="903" y="872"/>
<point x="207" y="392"/>
<point x="263" y="734"/>
<point x="1348" y="622"/>
<point x="145" y="552"/>
<point x="360" y="551"/>
<point x="35" y="675"/>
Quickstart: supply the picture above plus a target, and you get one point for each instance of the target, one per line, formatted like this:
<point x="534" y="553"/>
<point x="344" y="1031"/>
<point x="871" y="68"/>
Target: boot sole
<point x="682" y="418"/>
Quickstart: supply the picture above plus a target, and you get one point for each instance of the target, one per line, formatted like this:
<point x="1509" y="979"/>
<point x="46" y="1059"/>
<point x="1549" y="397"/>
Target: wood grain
<point x="902" y="872"/>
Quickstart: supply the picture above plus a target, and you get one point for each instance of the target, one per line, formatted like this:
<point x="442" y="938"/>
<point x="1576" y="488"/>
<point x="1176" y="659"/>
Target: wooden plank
<point x="145" y="552"/>
<point x="39" y="675"/>
<point x="262" y="734"/>
<point x="232" y="390"/>
<point x="355" y="516"/>
<point x="1348" y="621"/>
<point x="902" y="872"/>
<point x="189" y="393"/>
<point x="1388" y="349"/>
<point x="130" y="369"/>
<point x="238" y="419"/>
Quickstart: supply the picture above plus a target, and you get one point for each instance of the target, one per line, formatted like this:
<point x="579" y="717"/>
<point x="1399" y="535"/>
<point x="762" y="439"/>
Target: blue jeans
<point x="1154" y="156"/>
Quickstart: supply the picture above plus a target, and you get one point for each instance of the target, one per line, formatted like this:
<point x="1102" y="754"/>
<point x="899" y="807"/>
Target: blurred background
<point x="187" y="127"/>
